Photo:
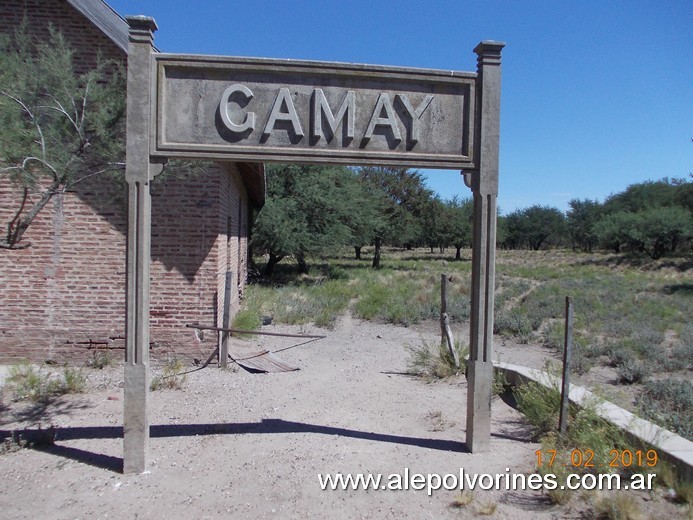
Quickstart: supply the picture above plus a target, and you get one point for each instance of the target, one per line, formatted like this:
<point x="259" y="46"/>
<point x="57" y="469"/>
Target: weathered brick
<point x="70" y="284"/>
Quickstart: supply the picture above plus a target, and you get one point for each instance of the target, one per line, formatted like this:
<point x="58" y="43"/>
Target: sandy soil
<point x="233" y="444"/>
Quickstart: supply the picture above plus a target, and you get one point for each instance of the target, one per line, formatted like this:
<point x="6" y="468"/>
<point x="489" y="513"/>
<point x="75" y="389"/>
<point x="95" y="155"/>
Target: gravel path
<point x="233" y="444"/>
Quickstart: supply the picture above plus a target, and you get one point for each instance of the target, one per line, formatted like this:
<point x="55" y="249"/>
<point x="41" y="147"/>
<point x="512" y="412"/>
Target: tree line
<point x="311" y="210"/>
<point x="651" y="217"/>
<point x="59" y="128"/>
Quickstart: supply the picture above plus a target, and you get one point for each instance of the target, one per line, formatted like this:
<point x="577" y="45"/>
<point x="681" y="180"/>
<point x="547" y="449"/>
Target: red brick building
<point x="68" y="288"/>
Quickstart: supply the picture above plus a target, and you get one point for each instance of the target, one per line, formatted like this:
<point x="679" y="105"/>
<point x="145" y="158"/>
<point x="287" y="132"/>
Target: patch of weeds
<point x="99" y="359"/>
<point x="433" y="363"/>
<point x="586" y="432"/>
<point x="668" y="402"/>
<point x="681" y="357"/>
<point x="621" y="354"/>
<point x="337" y="273"/>
<point x="462" y="499"/>
<point x="631" y="371"/>
<point x="508" y="289"/>
<point x="684" y="492"/>
<point x="561" y="470"/>
<point x="669" y="479"/>
<point x="12" y="444"/>
<point x="19" y="440"/>
<point x="487" y="508"/>
<point x="540" y="405"/>
<point x="553" y="335"/>
<point x="594" y="349"/>
<point x="34" y="384"/>
<point x="373" y="298"/>
<point x="247" y="319"/>
<point x="73" y="381"/>
<point x="438" y="422"/>
<point x="172" y="376"/>
<point x="28" y="382"/>
<point x="580" y="362"/>
<point x="617" y="506"/>
<point x="321" y="303"/>
<point x="401" y="298"/>
<point x="513" y="323"/>
<point x="500" y="383"/>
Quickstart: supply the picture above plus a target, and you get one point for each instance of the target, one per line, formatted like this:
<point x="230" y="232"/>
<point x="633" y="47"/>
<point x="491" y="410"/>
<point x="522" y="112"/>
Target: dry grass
<point x="172" y="376"/>
<point x="617" y="506"/>
<point x="463" y="499"/>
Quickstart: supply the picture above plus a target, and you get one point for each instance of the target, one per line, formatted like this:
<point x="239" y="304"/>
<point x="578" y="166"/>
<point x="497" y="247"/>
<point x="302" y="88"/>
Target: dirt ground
<point x="232" y="444"/>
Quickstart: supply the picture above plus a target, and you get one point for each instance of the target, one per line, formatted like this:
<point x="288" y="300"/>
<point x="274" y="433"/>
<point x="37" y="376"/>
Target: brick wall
<point x="68" y="288"/>
<point x="85" y="38"/>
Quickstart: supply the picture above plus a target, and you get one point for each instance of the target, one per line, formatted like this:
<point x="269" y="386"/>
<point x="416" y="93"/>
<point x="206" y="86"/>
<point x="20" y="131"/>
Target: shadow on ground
<point x="36" y="438"/>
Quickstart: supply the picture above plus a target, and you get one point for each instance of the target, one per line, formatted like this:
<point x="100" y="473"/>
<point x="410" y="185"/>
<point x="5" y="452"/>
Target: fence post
<point x="224" y="347"/>
<point x="445" y="330"/>
<point x="443" y="304"/>
<point x="567" y="356"/>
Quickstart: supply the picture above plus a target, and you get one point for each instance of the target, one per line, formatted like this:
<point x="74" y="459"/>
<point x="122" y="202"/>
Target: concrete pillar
<point x="139" y="172"/>
<point x="484" y="184"/>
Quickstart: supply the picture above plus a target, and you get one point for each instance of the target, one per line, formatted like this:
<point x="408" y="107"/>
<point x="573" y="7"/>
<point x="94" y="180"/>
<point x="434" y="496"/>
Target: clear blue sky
<point x="596" y="95"/>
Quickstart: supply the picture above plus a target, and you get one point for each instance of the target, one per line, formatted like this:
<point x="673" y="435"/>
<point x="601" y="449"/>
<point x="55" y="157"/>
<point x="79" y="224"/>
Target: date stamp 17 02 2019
<point x="585" y="458"/>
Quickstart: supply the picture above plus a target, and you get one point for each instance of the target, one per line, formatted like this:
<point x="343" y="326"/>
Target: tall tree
<point x="461" y="213"/>
<point x="581" y="220"/>
<point x="652" y="217"/>
<point x="533" y="226"/>
<point x="657" y="232"/>
<point x="366" y="217"/>
<point x="406" y="199"/>
<point x="57" y="128"/>
<point x="308" y="210"/>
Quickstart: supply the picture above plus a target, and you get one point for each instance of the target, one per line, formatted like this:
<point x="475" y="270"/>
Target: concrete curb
<point x="673" y="447"/>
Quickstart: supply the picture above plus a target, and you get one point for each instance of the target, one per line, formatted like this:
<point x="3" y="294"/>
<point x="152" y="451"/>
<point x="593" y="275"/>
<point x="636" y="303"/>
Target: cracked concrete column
<point x="484" y="185"/>
<point x="139" y="172"/>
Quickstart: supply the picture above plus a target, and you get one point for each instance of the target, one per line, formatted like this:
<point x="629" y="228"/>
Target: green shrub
<point x="99" y="359"/>
<point x="580" y="363"/>
<point x="35" y="384"/>
<point x="681" y="355"/>
<point x="553" y="335"/>
<point x="540" y="405"/>
<point x="337" y="273"/>
<point x="321" y="303"/>
<point x="28" y="382"/>
<point x="171" y="378"/>
<point x="247" y="319"/>
<point x="668" y="402"/>
<point x="513" y="323"/>
<point x="435" y="362"/>
<point x="586" y="429"/>
<point x="73" y="382"/>
<point x="617" y="506"/>
<point x="631" y="371"/>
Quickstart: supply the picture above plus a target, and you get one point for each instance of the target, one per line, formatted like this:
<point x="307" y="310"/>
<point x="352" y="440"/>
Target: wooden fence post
<point x="567" y="356"/>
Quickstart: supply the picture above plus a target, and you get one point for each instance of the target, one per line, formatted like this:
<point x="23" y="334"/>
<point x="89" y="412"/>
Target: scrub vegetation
<point x="632" y="316"/>
<point x="28" y="381"/>
<point x="373" y="242"/>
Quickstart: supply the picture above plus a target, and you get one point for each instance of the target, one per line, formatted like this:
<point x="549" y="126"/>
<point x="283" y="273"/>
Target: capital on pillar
<point x="488" y="53"/>
<point x="142" y="28"/>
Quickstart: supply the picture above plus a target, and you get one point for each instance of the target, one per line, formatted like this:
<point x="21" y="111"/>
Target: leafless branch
<point x="92" y="174"/>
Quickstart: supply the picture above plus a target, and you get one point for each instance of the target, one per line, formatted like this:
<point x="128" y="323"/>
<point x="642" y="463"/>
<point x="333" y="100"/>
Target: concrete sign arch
<point x="262" y="110"/>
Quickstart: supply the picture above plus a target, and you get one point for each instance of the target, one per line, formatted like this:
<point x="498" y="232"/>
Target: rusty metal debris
<point x="263" y="361"/>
